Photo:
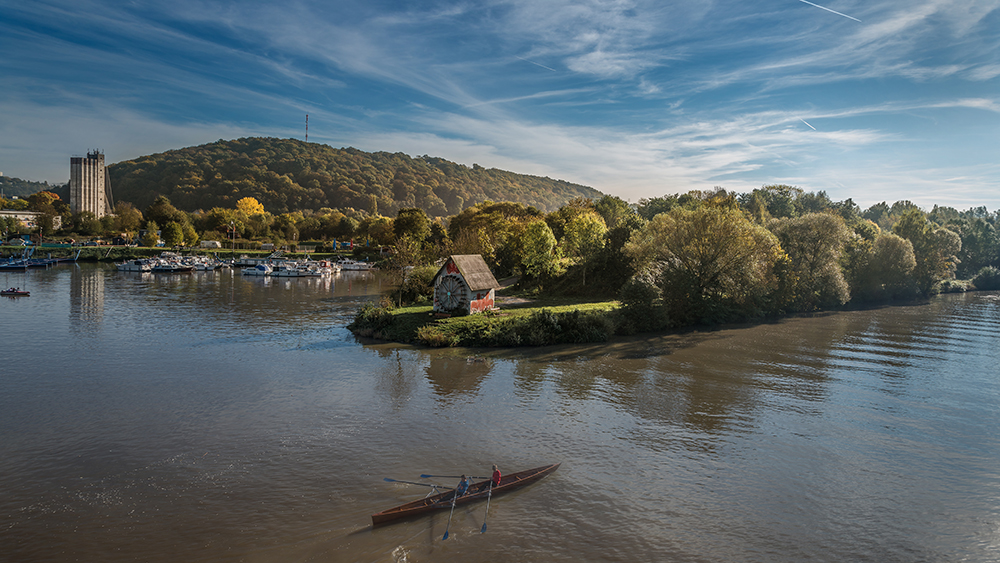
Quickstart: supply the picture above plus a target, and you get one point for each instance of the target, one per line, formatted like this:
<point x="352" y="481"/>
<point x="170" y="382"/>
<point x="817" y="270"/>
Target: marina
<point x="275" y="265"/>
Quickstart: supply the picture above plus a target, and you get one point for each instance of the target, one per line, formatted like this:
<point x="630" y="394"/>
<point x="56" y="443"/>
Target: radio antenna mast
<point x="307" y="127"/>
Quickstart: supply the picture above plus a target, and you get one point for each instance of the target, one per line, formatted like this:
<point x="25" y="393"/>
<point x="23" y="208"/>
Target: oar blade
<point x="445" y="535"/>
<point x="483" y="531"/>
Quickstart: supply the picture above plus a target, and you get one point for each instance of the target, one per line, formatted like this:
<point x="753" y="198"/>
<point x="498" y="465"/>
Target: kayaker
<point x="496" y="476"/>
<point x="462" y="487"/>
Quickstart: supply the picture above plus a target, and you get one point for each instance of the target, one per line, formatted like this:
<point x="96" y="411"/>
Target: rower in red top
<point x="496" y="476"/>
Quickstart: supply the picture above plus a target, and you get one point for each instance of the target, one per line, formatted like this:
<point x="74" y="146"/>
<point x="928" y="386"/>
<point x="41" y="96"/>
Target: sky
<point x="869" y="100"/>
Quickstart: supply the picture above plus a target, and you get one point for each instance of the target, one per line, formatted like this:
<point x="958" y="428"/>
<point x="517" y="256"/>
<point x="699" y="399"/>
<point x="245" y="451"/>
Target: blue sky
<point x="875" y="101"/>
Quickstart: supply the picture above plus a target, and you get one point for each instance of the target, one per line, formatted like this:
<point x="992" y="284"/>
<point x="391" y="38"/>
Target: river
<point x="211" y="417"/>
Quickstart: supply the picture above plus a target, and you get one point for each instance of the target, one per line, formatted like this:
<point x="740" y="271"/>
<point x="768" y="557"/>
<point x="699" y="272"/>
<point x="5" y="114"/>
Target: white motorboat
<point x="258" y="270"/>
<point x="354" y="265"/>
<point x="289" y="270"/>
<point x="139" y="265"/>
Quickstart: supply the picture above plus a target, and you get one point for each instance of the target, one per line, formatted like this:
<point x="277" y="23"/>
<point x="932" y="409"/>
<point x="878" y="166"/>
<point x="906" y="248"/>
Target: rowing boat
<point x="477" y="491"/>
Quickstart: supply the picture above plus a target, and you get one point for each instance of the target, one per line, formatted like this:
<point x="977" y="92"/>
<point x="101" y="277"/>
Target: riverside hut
<point x="464" y="284"/>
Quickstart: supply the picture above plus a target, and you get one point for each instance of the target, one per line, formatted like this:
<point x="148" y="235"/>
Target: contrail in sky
<point x="807" y="123"/>
<point x="534" y="63"/>
<point x="827" y="9"/>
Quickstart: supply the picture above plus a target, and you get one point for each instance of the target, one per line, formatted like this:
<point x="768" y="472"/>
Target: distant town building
<point x="30" y="218"/>
<point x="89" y="185"/>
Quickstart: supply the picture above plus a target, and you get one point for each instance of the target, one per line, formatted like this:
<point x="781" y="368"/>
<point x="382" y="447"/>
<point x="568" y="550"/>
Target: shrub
<point x="372" y="319"/>
<point x="416" y="287"/>
<point x="987" y="278"/>
<point x="642" y="304"/>
<point x="431" y="335"/>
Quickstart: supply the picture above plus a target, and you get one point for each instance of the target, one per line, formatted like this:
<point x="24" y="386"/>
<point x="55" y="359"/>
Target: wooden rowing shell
<point x="477" y="491"/>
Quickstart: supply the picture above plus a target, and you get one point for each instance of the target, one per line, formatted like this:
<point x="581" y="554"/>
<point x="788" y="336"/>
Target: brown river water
<point x="211" y="417"/>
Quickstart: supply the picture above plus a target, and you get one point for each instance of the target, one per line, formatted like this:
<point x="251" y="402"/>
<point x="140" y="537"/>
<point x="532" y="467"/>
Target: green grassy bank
<point x="536" y="324"/>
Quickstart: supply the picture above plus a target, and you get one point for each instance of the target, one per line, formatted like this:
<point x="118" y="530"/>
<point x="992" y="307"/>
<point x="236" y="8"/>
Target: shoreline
<point x="545" y="322"/>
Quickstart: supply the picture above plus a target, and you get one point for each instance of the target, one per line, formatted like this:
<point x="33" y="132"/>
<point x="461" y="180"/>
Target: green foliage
<point x="980" y="240"/>
<point x="583" y="235"/>
<point x="9" y="226"/>
<point x="286" y="175"/>
<point x="173" y="234"/>
<point x="190" y="235"/>
<point x="884" y="271"/>
<point x="814" y="243"/>
<point x="85" y="223"/>
<point x="163" y="212"/>
<point x="495" y="231"/>
<point x="151" y="238"/>
<point x="127" y="218"/>
<point x="43" y="202"/>
<point x="988" y="278"/>
<point x="23" y="188"/>
<point x="559" y="218"/>
<point x="614" y="210"/>
<point x="539" y="254"/>
<point x="412" y="223"/>
<point x="417" y="285"/>
<point x="538" y="328"/>
<point x="642" y="303"/>
<point x="373" y="319"/>
<point x="714" y="264"/>
<point x="775" y="201"/>
<point x="934" y="248"/>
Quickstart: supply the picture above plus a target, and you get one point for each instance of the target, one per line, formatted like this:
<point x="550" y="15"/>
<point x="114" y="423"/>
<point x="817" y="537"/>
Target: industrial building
<point x="89" y="185"/>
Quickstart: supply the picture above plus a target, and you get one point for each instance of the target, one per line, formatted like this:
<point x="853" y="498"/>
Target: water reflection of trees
<point x="453" y="375"/>
<point x="697" y="383"/>
<point x="397" y="376"/>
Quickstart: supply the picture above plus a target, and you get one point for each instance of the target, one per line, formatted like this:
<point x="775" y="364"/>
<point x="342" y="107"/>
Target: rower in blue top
<point x="463" y="486"/>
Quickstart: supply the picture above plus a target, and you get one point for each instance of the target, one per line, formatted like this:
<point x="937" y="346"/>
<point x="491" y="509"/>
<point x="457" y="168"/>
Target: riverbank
<point x="524" y="323"/>
<point x="538" y="321"/>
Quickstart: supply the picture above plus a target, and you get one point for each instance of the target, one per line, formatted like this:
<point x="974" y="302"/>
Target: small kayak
<point x="477" y="491"/>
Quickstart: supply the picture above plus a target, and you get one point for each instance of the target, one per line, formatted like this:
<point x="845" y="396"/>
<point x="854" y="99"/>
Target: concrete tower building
<point x="88" y="185"/>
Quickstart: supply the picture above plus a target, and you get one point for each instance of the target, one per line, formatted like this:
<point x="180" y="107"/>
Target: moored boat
<point x="258" y="270"/>
<point x="347" y="264"/>
<point x="288" y="270"/>
<point x="477" y="491"/>
<point x="138" y="265"/>
<point x="171" y="268"/>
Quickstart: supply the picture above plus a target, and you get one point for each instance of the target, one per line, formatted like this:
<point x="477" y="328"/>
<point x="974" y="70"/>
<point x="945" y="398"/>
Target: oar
<point x="415" y="483"/>
<point x="453" y="499"/>
<point x="426" y="476"/>
<point x="489" y="495"/>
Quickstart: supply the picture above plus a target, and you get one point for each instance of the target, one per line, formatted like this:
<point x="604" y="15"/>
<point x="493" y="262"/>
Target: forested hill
<point x="10" y="186"/>
<point x="289" y="175"/>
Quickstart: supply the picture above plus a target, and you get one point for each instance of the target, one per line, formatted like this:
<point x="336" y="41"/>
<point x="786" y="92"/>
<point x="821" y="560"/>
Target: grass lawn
<point x="540" y="321"/>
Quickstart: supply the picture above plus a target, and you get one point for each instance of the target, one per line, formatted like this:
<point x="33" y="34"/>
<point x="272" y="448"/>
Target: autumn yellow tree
<point x="249" y="206"/>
